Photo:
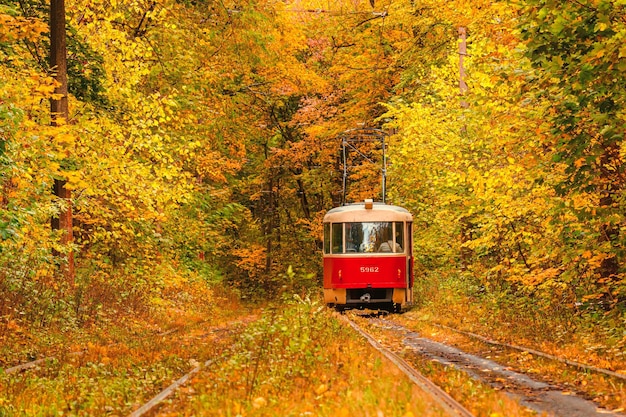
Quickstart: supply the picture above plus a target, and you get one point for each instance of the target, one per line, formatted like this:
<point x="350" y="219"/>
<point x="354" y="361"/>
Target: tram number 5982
<point x="369" y="269"/>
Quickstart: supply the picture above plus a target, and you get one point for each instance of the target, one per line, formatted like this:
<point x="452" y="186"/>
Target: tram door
<point x="409" y="261"/>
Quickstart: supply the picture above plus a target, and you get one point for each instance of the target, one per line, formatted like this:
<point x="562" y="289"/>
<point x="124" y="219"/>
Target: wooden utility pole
<point x="466" y="224"/>
<point x="462" y="54"/>
<point x="59" y="112"/>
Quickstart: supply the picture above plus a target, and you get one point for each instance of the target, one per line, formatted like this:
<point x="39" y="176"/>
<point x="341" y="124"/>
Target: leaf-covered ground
<point x="591" y="336"/>
<point x="290" y="358"/>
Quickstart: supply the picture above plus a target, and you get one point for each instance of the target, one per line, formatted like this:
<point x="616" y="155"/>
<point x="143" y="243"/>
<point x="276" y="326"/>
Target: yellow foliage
<point x="18" y="28"/>
<point x="251" y="260"/>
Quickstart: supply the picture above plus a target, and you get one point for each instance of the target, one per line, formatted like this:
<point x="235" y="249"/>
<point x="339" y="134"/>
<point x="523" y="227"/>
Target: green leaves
<point x="540" y="140"/>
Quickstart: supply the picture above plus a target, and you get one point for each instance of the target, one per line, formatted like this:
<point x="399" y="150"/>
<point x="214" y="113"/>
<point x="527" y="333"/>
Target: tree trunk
<point x="304" y="201"/>
<point x="465" y="222"/>
<point x="59" y="115"/>
<point x="269" y="225"/>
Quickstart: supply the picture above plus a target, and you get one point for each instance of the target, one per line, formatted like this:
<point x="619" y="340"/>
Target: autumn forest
<point x="200" y="148"/>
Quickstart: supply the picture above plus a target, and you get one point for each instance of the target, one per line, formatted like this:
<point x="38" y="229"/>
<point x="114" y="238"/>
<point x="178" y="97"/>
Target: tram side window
<point x="400" y="237"/>
<point x="354" y="237"/>
<point x="326" y="237"/>
<point x="388" y="242"/>
<point x="337" y="239"/>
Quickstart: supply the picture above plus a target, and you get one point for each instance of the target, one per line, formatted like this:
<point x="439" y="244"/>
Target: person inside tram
<point x="351" y="245"/>
<point x="390" y="246"/>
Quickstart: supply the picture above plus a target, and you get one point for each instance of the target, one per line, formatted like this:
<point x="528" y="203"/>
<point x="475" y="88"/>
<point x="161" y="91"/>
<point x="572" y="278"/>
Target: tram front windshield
<point x="367" y="237"/>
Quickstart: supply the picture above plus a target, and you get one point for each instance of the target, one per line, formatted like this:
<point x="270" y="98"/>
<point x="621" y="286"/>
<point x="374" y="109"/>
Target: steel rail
<point x="34" y="363"/>
<point x="157" y="399"/>
<point x="535" y="352"/>
<point x="27" y="365"/>
<point x="442" y="398"/>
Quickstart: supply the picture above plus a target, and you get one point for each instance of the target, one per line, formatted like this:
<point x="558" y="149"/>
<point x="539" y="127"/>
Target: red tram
<point x="368" y="259"/>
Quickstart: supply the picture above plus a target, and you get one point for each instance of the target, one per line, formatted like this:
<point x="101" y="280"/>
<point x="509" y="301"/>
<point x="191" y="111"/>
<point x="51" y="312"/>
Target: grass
<point x="299" y="359"/>
<point x="293" y="357"/>
<point x="111" y="366"/>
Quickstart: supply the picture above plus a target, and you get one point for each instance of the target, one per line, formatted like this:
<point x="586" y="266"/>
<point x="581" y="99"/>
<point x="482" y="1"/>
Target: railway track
<point x="190" y="341"/>
<point x="183" y="330"/>
<point x="581" y="366"/>
<point x="37" y="362"/>
<point x="448" y="404"/>
<point x="539" y="396"/>
<point x="439" y="396"/>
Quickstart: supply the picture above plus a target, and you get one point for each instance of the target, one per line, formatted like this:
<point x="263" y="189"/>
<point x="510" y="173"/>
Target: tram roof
<point x="357" y="212"/>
